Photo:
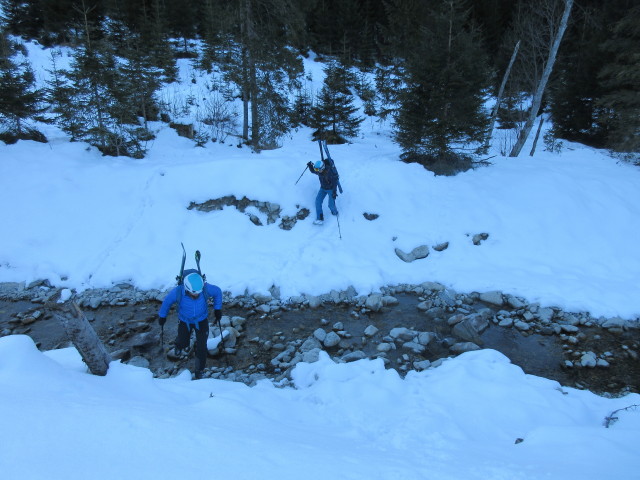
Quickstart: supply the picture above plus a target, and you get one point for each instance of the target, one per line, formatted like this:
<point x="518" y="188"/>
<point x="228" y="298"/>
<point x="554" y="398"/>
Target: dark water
<point x="536" y="354"/>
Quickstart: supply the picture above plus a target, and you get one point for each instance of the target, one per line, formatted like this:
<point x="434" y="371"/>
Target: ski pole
<point x="226" y="358"/>
<point x="339" y="231"/>
<point x="162" y="336"/>
<point x="305" y="169"/>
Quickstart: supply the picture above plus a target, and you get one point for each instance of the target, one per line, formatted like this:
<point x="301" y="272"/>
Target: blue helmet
<point x="193" y="283"/>
<point x="318" y="166"/>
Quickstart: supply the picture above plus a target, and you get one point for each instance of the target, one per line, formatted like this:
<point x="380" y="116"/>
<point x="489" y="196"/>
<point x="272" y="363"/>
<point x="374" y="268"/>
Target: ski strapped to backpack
<point x="323" y="145"/>
<point x="184" y="273"/>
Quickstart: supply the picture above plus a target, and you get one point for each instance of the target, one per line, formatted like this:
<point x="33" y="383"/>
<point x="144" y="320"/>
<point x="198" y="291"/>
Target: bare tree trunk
<point x="245" y="97"/>
<point x="494" y="113"/>
<point x="85" y="339"/>
<point x="535" y="140"/>
<point x="253" y="76"/>
<point x="537" y="97"/>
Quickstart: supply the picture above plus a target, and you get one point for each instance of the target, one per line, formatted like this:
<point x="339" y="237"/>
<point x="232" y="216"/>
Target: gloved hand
<point x="335" y="194"/>
<point x="162" y="321"/>
<point x="310" y="165"/>
<point x="218" y="314"/>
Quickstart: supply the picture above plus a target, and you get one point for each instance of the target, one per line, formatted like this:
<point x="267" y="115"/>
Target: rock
<point x="455" y="319"/>
<point x="414" y="347"/>
<point x="261" y="298"/>
<point x="402" y="333"/>
<point x="139" y="362"/>
<point x="424" y="306"/>
<point x="314" y="302"/>
<point x="424" y="338"/>
<point x="388" y="300"/>
<point x="421" y="365"/>
<point x="523" y="326"/>
<point x="311" y="356"/>
<point x="515" y="302"/>
<point x="465" y="331"/>
<point x="432" y="286"/>
<point x="144" y="339"/>
<point x="569" y="328"/>
<point x="589" y="360"/>
<point x="405" y="257"/>
<point x="237" y="322"/>
<point x="478" y="238"/>
<point x="416" y="254"/>
<point x="119" y="354"/>
<point x="264" y="308"/>
<point x="420" y="252"/>
<point x="370" y="331"/>
<point x="320" y="334"/>
<point x="354" y="356"/>
<point x="331" y="340"/>
<point x="374" y="302"/>
<point x="309" y="344"/>
<point x="448" y="297"/>
<point x="478" y="321"/>
<point x="614" y="323"/>
<point x="463" y="347"/>
<point x="493" y="297"/>
<point x="385" y="347"/>
<point x="545" y="314"/>
<point x="441" y="247"/>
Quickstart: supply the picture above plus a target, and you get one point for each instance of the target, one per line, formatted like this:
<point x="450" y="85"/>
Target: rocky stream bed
<point x="410" y="327"/>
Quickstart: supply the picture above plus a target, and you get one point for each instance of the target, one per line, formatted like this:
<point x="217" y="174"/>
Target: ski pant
<point x="320" y="198"/>
<point x="202" y="333"/>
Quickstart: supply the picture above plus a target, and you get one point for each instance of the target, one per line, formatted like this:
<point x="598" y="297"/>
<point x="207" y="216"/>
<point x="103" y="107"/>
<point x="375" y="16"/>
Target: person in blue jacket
<point x="329" y="179"/>
<point x="193" y="313"/>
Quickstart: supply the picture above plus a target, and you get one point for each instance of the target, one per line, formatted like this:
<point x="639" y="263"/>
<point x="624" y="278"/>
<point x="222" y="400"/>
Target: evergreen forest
<point x="445" y="73"/>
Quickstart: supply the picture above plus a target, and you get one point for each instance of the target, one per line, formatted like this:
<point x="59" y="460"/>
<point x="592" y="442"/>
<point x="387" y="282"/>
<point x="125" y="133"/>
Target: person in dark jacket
<point x="329" y="178"/>
<point x="193" y="313"/>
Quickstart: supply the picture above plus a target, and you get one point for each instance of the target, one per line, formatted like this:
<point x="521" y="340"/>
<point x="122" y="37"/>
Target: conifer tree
<point x="101" y="98"/>
<point x="259" y="59"/>
<point x="20" y="100"/>
<point x="437" y="79"/>
<point x="620" y="77"/>
<point x="334" y="115"/>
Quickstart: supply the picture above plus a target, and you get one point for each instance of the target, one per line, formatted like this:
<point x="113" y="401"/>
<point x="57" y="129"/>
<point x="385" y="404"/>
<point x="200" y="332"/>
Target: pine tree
<point x="20" y="100"/>
<point x="259" y="59"/>
<point x="439" y="80"/>
<point x="102" y="97"/>
<point x="334" y="115"/>
<point x="620" y="105"/>
<point x="574" y="88"/>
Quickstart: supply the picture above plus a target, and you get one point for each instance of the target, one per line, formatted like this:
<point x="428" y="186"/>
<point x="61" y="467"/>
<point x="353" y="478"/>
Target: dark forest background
<point x="429" y="65"/>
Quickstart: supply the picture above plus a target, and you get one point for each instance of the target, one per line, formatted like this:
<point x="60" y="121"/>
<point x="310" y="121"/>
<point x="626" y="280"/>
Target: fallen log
<point x="84" y="338"/>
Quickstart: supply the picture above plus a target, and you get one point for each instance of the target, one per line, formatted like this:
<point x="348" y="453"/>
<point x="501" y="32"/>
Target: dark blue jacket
<point x="192" y="310"/>
<point x="329" y="176"/>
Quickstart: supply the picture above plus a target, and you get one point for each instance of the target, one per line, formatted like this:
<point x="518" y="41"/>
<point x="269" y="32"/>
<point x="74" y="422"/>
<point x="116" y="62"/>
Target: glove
<point x="218" y="314"/>
<point x="310" y="165"/>
<point x="162" y="321"/>
<point x="335" y="194"/>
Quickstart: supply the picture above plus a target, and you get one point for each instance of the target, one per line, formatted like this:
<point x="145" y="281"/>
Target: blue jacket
<point x="192" y="311"/>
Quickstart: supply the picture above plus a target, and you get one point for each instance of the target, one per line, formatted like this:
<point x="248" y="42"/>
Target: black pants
<point x="202" y="333"/>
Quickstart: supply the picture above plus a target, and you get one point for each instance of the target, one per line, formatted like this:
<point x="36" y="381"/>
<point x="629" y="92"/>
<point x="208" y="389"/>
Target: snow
<point x="357" y="421"/>
<point x="563" y="231"/>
